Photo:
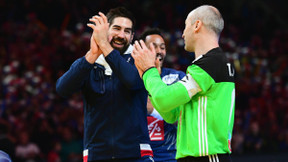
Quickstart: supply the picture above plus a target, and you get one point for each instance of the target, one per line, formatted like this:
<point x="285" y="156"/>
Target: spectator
<point x="71" y="147"/>
<point x="6" y="144"/>
<point x="26" y="150"/>
<point x="54" y="153"/>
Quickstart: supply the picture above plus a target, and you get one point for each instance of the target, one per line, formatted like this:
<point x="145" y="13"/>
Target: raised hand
<point x="93" y="45"/>
<point x="94" y="52"/>
<point x="144" y="57"/>
<point x="100" y="28"/>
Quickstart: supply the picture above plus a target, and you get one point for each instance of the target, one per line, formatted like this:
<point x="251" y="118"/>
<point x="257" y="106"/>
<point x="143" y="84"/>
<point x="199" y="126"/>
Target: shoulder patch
<point x="217" y="66"/>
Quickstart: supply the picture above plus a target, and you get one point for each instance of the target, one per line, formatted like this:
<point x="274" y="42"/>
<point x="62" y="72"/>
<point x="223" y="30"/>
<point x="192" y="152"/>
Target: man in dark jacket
<point x="115" y="123"/>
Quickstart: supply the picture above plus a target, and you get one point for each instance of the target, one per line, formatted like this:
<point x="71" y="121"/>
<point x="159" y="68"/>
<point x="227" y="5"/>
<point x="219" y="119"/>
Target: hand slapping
<point x="144" y="57"/>
<point x="99" y="38"/>
<point x="100" y="28"/>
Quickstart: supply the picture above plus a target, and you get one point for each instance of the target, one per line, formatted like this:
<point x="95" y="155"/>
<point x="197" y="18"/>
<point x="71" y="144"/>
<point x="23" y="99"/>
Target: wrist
<point x="150" y="72"/>
<point x="144" y="71"/>
<point x="105" y="47"/>
<point x="90" y="57"/>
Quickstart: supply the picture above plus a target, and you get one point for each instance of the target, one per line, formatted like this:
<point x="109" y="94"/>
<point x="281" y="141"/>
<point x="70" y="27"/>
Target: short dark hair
<point x="150" y="31"/>
<point x="120" y="12"/>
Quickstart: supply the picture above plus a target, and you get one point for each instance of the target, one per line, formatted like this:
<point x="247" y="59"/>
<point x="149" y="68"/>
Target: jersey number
<point x="230" y="70"/>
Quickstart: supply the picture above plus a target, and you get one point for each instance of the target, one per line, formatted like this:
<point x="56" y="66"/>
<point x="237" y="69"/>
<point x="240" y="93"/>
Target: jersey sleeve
<point x="201" y="77"/>
<point x="164" y="97"/>
<point x="170" y="116"/>
<point x="167" y="99"/>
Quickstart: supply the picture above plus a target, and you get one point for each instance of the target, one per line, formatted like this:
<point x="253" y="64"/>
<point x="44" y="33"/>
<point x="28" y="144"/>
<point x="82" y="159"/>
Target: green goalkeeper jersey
<point x="203" y="103"/>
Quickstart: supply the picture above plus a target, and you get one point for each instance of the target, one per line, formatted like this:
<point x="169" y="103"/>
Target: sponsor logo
<point x="156" y="129"/>
<point x="171" y="78"/>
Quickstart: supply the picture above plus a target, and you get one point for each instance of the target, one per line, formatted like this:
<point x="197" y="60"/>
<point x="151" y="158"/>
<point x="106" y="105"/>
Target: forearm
<point x="125" y="70"/>
<point x="73" y="79"/>
<point x="164" y="98"/>
<point x="90" y="57"/>
<point x="170" y="117"/>
<point x="105" y="47"/>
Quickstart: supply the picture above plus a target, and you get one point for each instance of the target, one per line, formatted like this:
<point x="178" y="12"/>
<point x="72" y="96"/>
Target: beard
<point x="120" y="41"/>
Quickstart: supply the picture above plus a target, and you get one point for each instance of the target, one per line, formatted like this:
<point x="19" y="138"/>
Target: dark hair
<point x="120" y="12"/>
<point x="150" y="31"/>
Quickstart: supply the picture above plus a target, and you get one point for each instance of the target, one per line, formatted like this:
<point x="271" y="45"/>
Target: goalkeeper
<point x="203" y="101"/>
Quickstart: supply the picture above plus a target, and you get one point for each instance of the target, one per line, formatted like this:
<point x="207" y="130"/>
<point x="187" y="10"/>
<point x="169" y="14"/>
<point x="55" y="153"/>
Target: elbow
<point x="162" y="104"/>
<point x="60" y="90"/>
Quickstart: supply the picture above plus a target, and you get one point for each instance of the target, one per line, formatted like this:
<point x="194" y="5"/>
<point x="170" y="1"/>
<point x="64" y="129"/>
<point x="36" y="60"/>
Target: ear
<point x="198" y="25"/>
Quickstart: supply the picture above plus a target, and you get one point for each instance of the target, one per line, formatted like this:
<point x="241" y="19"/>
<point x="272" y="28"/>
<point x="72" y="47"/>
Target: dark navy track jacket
<point x="115" y="123"/>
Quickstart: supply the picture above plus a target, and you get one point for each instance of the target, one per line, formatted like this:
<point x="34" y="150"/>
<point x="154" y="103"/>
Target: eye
<point x="115" y="28"/>
<point x="127" y="31"/>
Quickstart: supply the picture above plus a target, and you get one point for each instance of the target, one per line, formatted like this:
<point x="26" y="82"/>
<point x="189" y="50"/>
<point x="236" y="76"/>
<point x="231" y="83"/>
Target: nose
<point x="121" y="34"/>
<point x="158" y="49"/>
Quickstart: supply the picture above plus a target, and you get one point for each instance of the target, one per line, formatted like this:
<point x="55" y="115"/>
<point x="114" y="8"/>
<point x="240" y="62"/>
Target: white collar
<point x="129" y="50"/>
<point x="199" y="57"/>
<point x="101" y="60"/>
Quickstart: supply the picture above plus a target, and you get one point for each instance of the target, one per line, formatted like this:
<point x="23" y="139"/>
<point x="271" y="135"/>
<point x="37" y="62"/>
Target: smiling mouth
<point x="159" y="56"/>
<point x="118" y="43"/>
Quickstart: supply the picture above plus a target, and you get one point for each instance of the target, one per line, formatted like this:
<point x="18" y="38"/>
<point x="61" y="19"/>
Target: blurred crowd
<point x="39" y="40"/>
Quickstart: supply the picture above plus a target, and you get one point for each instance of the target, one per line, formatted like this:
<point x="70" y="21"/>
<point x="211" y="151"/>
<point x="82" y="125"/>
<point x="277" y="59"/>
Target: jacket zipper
<point x="102" y="78"/>
<point x="112" y="122"/>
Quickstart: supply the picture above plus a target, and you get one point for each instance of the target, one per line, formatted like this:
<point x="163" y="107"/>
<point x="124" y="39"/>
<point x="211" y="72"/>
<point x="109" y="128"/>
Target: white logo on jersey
<point x="155" y="128"/>
<point x="169" y="79"/>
